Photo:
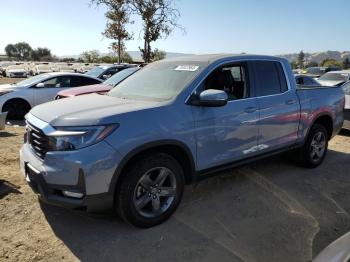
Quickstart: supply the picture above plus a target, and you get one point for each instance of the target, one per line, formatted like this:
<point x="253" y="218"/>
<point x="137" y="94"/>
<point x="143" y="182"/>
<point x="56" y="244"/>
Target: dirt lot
<point x="268" y="211"/>
<point x="6" y="80"/>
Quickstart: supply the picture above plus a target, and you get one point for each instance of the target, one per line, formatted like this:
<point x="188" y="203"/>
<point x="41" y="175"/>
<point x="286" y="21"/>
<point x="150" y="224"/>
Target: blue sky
<point x="69" y="27"/>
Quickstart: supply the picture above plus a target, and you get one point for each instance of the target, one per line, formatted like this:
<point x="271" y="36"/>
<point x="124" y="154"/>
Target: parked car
<point x="102" y="88"/>
<point x="346" y="88"/>
<point x="173" y="122"/>
<point x="68" y="68"/>
<point x="3" y="66"/>
<point x="334" y="78"/>
<point x="16" y="71"/>
<point x="316" y="72"/>
<point x="106" y="71"/>
<point x="40" y="69"/>
<point x="17" y="99"/>
<point x="306" y="80"/>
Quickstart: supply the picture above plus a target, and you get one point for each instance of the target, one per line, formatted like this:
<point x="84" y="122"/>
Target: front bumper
<point x="88" y="171"/>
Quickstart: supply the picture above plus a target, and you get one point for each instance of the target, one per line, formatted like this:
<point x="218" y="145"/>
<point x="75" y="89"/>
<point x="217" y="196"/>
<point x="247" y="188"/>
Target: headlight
<point x="73" y="138"/>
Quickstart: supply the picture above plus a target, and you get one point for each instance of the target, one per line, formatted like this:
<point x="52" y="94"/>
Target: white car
<point x="17" y="99"/>
<point x="334" y="78"/>
<point x="41" y="69"/>
<point x="16" y="71"/>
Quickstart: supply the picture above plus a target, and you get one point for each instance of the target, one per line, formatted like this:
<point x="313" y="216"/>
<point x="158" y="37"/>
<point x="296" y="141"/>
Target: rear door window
<point x="269" y="78"/>
<point x="83" y="81"/>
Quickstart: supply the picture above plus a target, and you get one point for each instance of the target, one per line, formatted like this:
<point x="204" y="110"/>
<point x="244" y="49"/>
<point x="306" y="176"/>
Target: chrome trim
<point x="67" y="133"/>
<point x="33" y="168"/>
<point x="46" y="128"/>
<point x="240" y="60"/>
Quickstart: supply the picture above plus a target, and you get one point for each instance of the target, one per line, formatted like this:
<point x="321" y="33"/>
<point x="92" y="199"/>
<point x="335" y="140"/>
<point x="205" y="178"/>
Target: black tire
<point x="125" y="198"/>
<point x="16" y="108"/>
<point x="305" y="153"/>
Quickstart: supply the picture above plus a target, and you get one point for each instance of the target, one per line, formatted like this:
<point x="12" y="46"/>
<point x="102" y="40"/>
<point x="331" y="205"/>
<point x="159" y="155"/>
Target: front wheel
<point x="315" y="148"/>
<point x="150" y="191"/>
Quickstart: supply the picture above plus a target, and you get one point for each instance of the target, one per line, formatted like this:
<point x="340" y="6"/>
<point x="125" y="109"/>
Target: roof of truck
<point x="210" y="58"/>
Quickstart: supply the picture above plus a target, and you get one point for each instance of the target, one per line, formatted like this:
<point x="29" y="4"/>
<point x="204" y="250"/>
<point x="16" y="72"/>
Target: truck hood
<point x="87" y="110"/>
<point x="81" y="90"/>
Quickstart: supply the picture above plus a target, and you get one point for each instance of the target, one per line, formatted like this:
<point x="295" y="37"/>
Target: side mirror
<point x="40" y="85"/>
<point x="104" y="77"/>
<point x="213" y="98"/>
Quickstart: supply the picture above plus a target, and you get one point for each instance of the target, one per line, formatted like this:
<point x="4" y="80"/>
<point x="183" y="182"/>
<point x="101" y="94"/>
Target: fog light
<point x="72" y="194"/>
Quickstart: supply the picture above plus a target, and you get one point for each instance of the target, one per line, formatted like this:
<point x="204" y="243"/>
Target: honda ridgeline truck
<point x="170" y="124"/>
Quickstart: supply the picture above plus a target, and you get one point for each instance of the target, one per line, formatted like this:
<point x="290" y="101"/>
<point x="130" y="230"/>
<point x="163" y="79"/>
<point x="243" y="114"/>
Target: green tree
<point x="301" y="59"/>
<point x="294" y="65"/>
<point x="159" y="19"/>
<point x="312" y="64"/>
<point x="21" y="51"/>
<point x="41" y="54"/>
<point x="90" y="56"/>
<point x="117" y="18"/>
<point x="346" y="63"/>
<point x="126" y="58"/>
<point x="331" y="62"/>
<point x="158" y="55"/>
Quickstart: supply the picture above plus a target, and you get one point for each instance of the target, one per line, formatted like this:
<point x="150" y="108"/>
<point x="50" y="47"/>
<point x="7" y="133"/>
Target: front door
<point x="227" y="133"/>
<point x="50" y="88"/>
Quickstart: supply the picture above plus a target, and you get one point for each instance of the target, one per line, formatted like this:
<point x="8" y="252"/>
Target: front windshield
<point x="120" y="76"/>
<point x="158" y="81"/>
<point x="315" y="71"/>
<point x="341" y="77"/>
<point x="95" y="72"/>
<point x="32" y="80"/>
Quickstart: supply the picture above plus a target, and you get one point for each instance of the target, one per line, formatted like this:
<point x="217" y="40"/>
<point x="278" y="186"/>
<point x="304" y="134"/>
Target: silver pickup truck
<point x="172" y="123"/>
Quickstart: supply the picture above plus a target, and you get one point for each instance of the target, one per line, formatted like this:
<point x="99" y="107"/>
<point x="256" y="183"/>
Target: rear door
<point x="279" y="109"/>
<point x="50" y="89"/>
<point x="227" y="133"/>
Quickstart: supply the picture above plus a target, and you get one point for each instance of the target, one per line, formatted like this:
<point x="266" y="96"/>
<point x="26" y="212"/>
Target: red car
<point x="102" y="88"/>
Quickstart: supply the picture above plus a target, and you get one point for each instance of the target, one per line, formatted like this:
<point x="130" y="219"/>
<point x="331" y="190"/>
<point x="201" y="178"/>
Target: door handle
<point x="251" y="109"/>
<point x="290" y="102"/>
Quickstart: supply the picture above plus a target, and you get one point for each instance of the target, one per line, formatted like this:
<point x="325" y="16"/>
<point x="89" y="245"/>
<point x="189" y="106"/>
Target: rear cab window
<point x="270" y="78"/>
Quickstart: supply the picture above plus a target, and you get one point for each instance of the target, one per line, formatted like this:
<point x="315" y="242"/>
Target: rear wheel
<point x="150" y="191"/>
<point x="16" y="108"/>
<point x="315" y="148"/>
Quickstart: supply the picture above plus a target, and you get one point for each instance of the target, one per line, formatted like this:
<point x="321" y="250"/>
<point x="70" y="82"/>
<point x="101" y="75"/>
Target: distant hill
<point x="316" y="57"/>
<point x="320" y="56"/>
<point x="135" y="55"/>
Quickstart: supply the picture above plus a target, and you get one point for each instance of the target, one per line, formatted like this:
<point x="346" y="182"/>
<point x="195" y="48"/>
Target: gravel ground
<point x="269" y="211"/>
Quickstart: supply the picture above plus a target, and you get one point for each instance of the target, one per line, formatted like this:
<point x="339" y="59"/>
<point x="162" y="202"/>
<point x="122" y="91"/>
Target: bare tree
<point x="118" y="16"/>
<point x="159" y="20"/>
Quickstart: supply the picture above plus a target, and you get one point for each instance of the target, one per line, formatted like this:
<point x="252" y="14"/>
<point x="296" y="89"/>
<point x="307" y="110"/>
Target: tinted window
<point x="57" y="82"/>
<point x="83" y="81"/>
<point x="269" y="78"/>
<point x="231" y="79"/>
<point x="308" y="81"/>
<point x="299" y="80"/>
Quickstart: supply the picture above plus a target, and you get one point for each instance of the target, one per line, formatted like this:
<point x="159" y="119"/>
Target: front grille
<point x="38" y="140"/>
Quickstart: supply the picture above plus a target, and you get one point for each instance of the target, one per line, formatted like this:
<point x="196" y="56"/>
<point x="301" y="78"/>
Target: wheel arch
<point x="326" y="120"/>
<point x="175" y="148"/>
<point x="19" y="99"/>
